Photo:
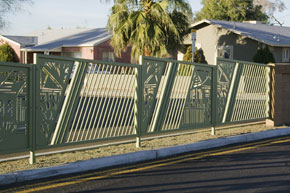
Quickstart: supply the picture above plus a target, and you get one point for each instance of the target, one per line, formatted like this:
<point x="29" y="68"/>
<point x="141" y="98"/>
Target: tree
<point x="270" y="7"/>
<point x="9" y="6"/>
<point x="7" y="54"/>
<point x="264" y="55"/>
<point x="150" y="27"/>
<point x="231" y="10"/>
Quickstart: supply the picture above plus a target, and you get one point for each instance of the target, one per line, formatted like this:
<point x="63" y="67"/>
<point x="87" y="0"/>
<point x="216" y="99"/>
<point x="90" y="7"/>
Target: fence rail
<point x="60" y="100"/>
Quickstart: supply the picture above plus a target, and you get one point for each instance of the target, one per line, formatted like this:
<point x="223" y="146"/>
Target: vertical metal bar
<point x="35" y="97"/>
<point x="109" y="102"/>
<point x="98" y="101"/>
<point x="190" y="74"/>
<point x="234" y="91"/>
<point x="161" y="85"/>
<point x="113" y="102"/>
<point x="138" y="102"/>
<point x="229" y="95"/>
<point x="31" y="124"/>
<point x="214" y="94"/>
<point x="103" y="101"/>
<point x="185" y="89"/>
<point x="92" y="91"/>
<point x="129" y="105"/>
<point x="121" y="103"/>
<point x="171" y="104"/>
<point x="87" y="86"/>
<point x="164" y="96"/>
<point x="174" y="101"/>
<point x="70" y="103"/>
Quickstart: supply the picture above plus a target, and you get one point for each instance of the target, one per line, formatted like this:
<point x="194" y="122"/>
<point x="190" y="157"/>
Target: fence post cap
<point x="271" y="64"/>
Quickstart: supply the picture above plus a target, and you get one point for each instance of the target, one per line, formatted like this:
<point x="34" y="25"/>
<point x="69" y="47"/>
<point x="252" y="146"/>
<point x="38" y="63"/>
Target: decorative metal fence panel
<point x="189" y="95"/>
<point x="86" y="100"/>
<point x="198" y="104"/>
<point x="243" y="91"/>
<point x="105" y="103"/>
<point x="15" y="103"/>
<point x="54" y="75"/>
<point x="60" y="100"/>
<point x="225" y="72"/>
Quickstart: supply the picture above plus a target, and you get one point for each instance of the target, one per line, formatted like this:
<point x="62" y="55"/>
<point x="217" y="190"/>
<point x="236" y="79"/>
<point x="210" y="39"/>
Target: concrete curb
<point x="135" y="157"/>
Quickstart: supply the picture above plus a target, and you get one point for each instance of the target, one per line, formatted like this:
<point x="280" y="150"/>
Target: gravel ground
<point x="63" y="158"/>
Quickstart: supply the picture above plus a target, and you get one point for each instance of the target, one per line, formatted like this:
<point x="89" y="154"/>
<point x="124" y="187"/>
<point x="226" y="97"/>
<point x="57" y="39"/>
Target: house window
<point x="285" y="55"/>
<point x="109" y="56"/>
<point x="225" y="52"/>
<point x="73" y="54"/>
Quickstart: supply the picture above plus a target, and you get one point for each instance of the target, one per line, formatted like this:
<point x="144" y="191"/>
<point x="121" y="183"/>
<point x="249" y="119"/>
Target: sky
<point x="71" y="14"/>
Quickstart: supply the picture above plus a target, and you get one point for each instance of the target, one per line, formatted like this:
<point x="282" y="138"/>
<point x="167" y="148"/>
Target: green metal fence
<point x="16" y="107"/>
<point x="62" y="101"/>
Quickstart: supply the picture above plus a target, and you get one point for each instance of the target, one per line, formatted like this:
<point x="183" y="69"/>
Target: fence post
<point x="214" y="99"/>
<point x="35" y="100"/>
<point x="271" y="94"/>
<point x="138" y="102"/>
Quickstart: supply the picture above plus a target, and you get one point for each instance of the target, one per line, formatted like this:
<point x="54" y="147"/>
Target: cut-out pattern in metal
<point x="13" y="108"/>
<point x="152" y="79"/>
<point x="198" y="106"/>
<point x="54" y="77"/>
<point x="225" y="72"/>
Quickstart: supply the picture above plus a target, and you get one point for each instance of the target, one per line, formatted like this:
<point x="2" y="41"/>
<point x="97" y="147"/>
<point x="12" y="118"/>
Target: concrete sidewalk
<point x="135" y="157"/>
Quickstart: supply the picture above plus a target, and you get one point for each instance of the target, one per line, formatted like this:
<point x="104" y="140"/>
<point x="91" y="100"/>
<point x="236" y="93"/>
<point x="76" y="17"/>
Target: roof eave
<point x="58" y="49"/>
<point x="103" y="40"/>
<point x="12" y="41"/>
<point x="258" y="40"/>
<point x="200" y="24"/>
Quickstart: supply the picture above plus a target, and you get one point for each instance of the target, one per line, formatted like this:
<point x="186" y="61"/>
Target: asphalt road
<point x="257" y="167"/>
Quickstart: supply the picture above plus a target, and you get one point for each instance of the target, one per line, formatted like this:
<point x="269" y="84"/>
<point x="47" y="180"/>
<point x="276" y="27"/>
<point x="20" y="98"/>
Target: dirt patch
<point x="63" y="158"/>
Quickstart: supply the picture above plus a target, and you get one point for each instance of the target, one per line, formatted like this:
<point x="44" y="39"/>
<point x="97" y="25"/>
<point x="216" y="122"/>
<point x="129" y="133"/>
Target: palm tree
<point x="150" y="27"/>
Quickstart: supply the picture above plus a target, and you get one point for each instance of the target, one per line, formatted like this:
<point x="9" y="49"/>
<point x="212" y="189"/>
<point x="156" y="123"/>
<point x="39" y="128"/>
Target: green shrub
<point x="264" y="56"/>
<point x="7" y="54"/>
<point x="188" y="54"/>
<point x="198" y="55"/>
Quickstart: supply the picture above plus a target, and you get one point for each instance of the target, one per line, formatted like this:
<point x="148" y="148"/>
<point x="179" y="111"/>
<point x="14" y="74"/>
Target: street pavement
<point x="262" y="166"/>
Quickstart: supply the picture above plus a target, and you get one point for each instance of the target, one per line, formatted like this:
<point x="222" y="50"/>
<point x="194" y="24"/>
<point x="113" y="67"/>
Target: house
<point x="240" y="41"/>
<point x="18" y="43"/>
<point x="79" y="43"/>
